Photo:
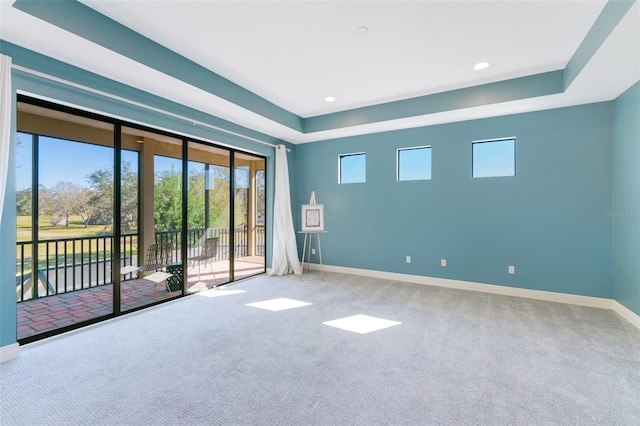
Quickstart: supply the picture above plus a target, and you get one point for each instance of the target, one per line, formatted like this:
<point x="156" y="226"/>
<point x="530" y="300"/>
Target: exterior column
<point x="146" y="233"/>
<point x="252" y="210"/>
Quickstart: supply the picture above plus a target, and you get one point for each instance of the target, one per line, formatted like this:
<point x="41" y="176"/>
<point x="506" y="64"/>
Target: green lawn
<point x="99" y="248"/>
<point x="47" y="231"/>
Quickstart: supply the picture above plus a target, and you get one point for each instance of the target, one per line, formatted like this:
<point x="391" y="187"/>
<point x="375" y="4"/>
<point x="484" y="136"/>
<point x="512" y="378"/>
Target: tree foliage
<point x="23" y="202"/>
<point x="101" y="183"/>
<point x="95" y="203"/>
<point x="261" y="195"/>
<point x="219" y="200"/>
<point x="65" y="199"/>
<point x="168" y="200"/>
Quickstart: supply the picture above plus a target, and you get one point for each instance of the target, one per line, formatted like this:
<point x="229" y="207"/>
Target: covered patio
<point x="47" y="314"/>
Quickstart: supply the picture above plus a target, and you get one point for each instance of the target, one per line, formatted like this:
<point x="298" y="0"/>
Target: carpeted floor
<point x="456" y="358"/>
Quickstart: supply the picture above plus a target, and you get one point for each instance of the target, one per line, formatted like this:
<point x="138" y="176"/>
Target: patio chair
<point x="158" y="258"/>
<point x="208" y="253"/>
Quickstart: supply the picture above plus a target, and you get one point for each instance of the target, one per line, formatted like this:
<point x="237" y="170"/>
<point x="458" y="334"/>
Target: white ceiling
<point x="296" y="53"/>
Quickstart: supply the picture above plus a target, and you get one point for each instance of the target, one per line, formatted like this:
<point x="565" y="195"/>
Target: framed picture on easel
<point x="312" y="217"/>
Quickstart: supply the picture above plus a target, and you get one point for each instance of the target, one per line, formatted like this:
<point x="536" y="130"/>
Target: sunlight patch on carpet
<point x="361" y="323"/>
<point x="198" y="287"/>
<point x="279" y="304"/>
<point x="219" y="293"/>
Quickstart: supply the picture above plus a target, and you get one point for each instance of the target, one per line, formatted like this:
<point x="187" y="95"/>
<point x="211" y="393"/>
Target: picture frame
<point x="312" y="217"/>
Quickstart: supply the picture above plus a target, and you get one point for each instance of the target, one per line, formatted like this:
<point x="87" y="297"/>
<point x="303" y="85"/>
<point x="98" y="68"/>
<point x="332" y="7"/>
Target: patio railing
<point x="70" y="264"/>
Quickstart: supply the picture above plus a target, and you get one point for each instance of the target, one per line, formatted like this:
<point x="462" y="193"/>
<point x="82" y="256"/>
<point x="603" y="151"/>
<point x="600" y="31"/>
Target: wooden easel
<point x="312" y="201"/>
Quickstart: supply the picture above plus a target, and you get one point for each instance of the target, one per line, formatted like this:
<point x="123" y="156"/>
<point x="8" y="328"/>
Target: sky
<point x="494" y="158"/>
<point x="414" y="163"/>
<point x="353" y="168"/>
<point x="62" y="161"/>
<point x="68" y="161"/>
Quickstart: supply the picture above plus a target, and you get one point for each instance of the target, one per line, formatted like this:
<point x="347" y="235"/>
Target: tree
<point x="101" y="183"/>
<point x="129" y="198"/>
<point x="45" y="201"/>
<point x="62" y="201"/>
<point x="218" y="197"/>
<point x="219" y="201"/>
<point x="67" y="198"/>
<point x="261" y="195"/>
<point x="23" y="202"/>
<point x="168" y="200"/>
<point x="82" y="205"/>
<point x="195" y="200"/>
<point x="101" y="200"/>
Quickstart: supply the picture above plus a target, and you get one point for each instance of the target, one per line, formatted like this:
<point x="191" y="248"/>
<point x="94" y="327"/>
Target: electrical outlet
<point x="313" y="252"/>
<point x="408" y="259"/>
<point x="443" y="262"/>
<point x="512" y="269"/>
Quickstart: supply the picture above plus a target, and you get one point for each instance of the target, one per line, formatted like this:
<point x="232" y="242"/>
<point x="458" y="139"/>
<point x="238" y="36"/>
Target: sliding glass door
<point x="249" y="215"/>
<point x="151" y="218"/>
<point x="209" y="212"/>
<point x="65" y="220"/>
<point x="113" y="217"/>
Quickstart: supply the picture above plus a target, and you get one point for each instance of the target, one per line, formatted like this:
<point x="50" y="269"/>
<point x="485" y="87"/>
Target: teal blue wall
<point x="548" y="221"/>
<point x="626" y="213"/>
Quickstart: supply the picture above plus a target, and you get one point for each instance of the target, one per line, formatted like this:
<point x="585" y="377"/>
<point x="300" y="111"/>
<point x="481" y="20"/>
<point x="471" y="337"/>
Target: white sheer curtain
<point x="285" y="250"/>
<point x="5" y="123"/>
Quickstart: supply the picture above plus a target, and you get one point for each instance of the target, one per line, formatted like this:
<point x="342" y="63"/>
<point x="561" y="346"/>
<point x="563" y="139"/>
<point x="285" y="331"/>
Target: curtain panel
<point x="5" y="124"/>
<point x="285" y="250"/>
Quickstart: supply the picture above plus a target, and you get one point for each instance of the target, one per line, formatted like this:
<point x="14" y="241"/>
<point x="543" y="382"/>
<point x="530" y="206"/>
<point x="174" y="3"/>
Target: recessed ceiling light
<point x="362" y="30"/>
<point x="480" y="66"/>
<point x="329" y="99"/>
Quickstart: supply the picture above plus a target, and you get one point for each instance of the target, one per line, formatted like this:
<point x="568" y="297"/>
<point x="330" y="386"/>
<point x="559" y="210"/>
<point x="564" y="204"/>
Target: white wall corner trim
<point x="548" y="296"/>
<point x="9" y="352"/>
<point x="626" y="313"/>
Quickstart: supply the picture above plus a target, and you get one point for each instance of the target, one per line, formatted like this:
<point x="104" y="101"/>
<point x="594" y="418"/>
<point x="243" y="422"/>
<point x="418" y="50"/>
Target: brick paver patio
<point x="61" y="310"/>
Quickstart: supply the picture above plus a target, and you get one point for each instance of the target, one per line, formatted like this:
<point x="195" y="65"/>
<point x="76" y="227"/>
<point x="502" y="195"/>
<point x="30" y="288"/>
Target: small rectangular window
<point x="352" y="168"/>
<point x="494" y="158"/>
<point x="414" y="163"/>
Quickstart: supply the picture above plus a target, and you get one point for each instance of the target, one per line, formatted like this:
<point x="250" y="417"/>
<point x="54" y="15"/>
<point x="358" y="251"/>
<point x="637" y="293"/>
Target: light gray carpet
<point x="458" y="358"/>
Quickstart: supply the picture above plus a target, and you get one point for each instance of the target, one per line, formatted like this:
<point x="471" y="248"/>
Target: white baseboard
<point x="626" y="313"/>
<point x="549" y="296"/>
<point x="9" y="352"/>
